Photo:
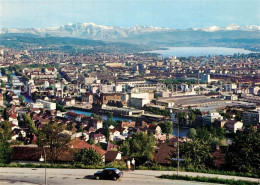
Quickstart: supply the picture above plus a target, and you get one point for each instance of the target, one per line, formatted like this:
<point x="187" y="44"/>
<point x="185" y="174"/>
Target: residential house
<point x="233" y="125"/>
<point x="114" y="134"/>
<point x="164" y="152"/>
<point x="113" y="156"/>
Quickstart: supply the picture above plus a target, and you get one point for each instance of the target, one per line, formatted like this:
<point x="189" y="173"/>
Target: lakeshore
<point x="198" y="51"/>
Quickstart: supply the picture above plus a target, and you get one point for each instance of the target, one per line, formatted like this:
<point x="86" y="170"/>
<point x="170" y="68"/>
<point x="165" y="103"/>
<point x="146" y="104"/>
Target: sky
<point x="125" y="13"/>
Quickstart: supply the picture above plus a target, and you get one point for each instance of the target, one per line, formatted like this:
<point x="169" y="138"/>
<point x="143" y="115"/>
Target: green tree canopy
<point x="3" y="84"/>
<point x="30" y="124"/>
<point x="5" y="149"/>
<point x="182" y="118"/>
<point x="167" y="128"/>
<point x="196" y="153"/>
<point x="192" y="133"/>
<point x="244" y="152"/>
<point x="51" y="136"/>
<point x="87" y="157"/>
<point x="22" y="99"/>
<point x="60" y="107"/>
<point x="142" y="146"/>
<point x="125" y="148"/>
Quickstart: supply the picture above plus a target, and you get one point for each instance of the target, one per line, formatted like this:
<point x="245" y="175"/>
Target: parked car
<point x="109" y="173"/>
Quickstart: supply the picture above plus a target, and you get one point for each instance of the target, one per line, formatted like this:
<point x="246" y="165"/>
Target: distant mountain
<point x="231" y="36"/>
<point x="99" y="32"/>
<point x="87" y="31"/>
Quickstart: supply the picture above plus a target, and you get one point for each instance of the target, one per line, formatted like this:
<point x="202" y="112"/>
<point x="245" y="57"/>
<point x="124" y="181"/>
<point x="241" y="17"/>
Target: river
<point x="28" y="99"/>
<point x="183" y="131"/>
<point x="103" y="116"/>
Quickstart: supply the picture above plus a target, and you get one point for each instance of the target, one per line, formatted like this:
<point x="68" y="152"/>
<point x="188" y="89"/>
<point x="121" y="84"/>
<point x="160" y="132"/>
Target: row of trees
<point x="164" y="112"/>
<point x="60" y="107"/>
<point x="243" y="155"/>
<point x="115" y="103"/>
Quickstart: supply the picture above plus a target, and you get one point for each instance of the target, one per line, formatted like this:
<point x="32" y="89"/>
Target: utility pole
<point x="178" y="151"/>
<point x="41" y="159"/>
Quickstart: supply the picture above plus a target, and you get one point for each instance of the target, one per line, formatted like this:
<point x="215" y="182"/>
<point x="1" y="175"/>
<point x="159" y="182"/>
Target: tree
<point x="3" y="71"/>
<point x="5" y="114"/>
<point x="196" y="153"/>
<point x="87" y="157"/>
<point x="3" y="83"/>
<point x="238" y="116"/>
<point x="198" y="112"/>
<point x="192" y="115"/>
<point x="10" y="78"/>
<point x="142" y="146"/>
<point x="244" y="152"/>
<point x="192" y="133"/>
<point x="51" y="136"/>
<point x="35" y="95"/>
<point x="30" y="124"/>
<point x="167" y="128"/>
<point x="90" y="141"/>
<point x="22" y="99"/>
<point x="125" y="148"/>
<point x="5" y="149"/>
<point x="106" y="131"/>
<point x="110" y="119"/>
<point x="51" y="87"/>
<point x="182" y="118"/>
<point x="95" y="116"/>
<point x="60" y="107"/>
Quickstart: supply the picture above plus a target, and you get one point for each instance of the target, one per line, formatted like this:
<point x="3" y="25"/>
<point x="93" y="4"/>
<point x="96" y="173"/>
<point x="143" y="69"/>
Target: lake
<point x="199" y="51"/>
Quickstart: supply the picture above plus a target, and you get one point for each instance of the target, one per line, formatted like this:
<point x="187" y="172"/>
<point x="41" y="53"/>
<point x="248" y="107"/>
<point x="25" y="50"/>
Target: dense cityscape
<point x="113" y="102"/>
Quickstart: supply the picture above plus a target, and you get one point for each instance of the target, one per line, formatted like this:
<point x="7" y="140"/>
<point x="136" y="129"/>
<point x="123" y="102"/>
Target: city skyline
<point x="171" y="14"/>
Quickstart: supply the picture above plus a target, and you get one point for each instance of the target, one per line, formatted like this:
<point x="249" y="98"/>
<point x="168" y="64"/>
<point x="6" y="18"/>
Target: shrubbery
<point x="209" y="179"/>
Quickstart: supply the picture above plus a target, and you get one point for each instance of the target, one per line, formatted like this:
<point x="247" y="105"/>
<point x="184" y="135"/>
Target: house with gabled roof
<point x="113" y="156"/>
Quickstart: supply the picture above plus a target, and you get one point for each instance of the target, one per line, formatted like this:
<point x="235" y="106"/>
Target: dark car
<point x="109" y="173"/>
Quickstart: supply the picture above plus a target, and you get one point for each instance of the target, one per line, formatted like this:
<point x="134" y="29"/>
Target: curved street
<point x="29" y="176"/>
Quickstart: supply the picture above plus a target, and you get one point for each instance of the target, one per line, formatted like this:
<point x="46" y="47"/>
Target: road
<point x="32" y="176"/>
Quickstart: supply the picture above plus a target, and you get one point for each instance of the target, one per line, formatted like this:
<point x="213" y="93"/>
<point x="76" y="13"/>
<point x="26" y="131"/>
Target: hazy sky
<point x="126" y="13"/>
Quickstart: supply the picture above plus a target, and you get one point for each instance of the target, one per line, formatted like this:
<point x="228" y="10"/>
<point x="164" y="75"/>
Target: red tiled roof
<point x="164" y="153"/>
<point x="111" y="156"/>
<point x="80" y="144"/>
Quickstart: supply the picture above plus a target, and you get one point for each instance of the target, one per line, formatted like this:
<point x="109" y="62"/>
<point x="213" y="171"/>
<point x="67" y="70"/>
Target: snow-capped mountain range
<point x="232" y="27"/>
<point x="100" y="32"/>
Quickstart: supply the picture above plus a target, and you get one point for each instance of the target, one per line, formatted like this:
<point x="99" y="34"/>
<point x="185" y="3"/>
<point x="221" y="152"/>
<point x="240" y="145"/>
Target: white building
<point x="97" y="124"/>
<point x="90" y="80"/>
<point x="138" y="102"/>
<point x="211" y="117"/>
<point x="36" y="105"/>
<point x="46" y="104"/>
<point x="233" y="125"/>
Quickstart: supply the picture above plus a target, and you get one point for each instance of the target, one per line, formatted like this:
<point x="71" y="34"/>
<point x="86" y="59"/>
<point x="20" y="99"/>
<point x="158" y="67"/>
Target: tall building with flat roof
<point x="205" y="78"/>
<point x="251" y="117"/>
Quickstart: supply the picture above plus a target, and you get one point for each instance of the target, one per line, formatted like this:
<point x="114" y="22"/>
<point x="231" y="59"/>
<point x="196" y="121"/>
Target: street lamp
<point x="178" y="155"/>
<point x="41" y="160"/>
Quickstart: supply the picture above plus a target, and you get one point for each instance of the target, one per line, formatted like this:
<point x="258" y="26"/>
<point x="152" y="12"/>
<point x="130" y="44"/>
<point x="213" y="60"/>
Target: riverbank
<point x="104" y="115"/>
